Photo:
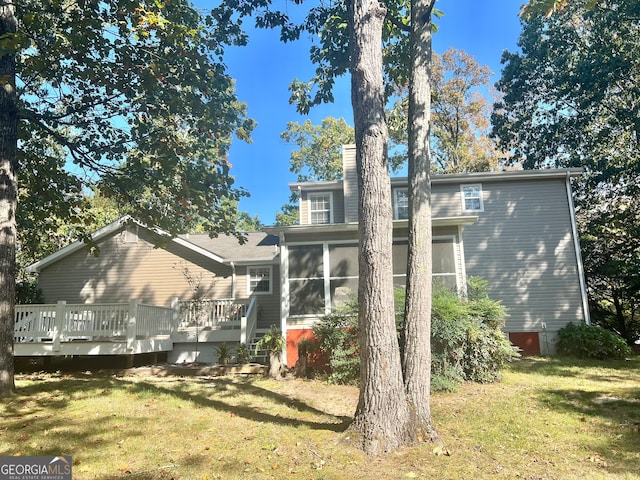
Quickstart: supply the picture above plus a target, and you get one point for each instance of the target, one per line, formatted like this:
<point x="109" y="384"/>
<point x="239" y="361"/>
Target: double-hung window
<point x="258" y="280"/>
<point x="472" y="198"/>
<point x="400" y="204"/>
<point x="320" y="208"/>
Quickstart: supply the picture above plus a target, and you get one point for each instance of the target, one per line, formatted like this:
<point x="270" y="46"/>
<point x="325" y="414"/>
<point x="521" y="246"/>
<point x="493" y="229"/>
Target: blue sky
<point x="264" y="69"/>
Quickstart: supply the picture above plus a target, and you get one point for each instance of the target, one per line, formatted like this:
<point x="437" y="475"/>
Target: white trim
<point x="326" y="277"/>
<point x="464" y="199"/>
<point x="309" y="210"/>
<point x="253" y="292"/>
<point x="284" y="292"/>
<point x="353" y="226"/>
<point x="576" y="247"/>
<point x="463" y="263"/>
<point x="233" y="280"/>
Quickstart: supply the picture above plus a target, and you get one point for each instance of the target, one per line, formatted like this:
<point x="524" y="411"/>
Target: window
<point x="320" y="208"/>
<point x="471" y="198"/>
<point x="400" y="204"/>
<point x="306" y="280"/>
<point x="444" y="262"/>
<point x="258" y="280"/>
<point x="343" y="272"/>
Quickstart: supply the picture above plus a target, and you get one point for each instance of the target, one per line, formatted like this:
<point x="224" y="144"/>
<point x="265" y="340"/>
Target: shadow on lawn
<point x="224" y="385"/>
<point x="572" y="367"/>
<point x="43" y="405"/>
<point x="611" y="418"/>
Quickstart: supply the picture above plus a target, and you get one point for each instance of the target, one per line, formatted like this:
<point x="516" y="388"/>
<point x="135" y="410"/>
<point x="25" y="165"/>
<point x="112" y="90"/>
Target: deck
<point x="129" y="328"/>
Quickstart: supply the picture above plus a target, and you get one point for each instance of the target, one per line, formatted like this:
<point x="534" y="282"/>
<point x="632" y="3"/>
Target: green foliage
<point x="590" y="341"/>
<point x="223" y="353"/>
<point x="28" y="292"/>
<point x="242" y="354"/>
<point x="126" y="91"/>
<point x="570" y="99"/>
<point x="467" y="342"/>
<point x="319" y="148"/>
<point x="289" y="214"/>
<point x="337" y="336"/>
<point x="272" y="341"/>
<point x="460" y="116"/>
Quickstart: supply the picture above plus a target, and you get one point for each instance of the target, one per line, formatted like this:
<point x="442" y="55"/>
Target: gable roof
<point x="260" y="247"/>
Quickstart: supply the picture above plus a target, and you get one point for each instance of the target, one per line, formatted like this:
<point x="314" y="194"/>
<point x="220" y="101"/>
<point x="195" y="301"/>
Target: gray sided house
<point x="131" y="261"/>
<point x="515" y="229"/>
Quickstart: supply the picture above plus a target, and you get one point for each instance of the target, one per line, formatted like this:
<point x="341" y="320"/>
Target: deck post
<point x="58" y="326"/>
<point x="131" y="324"/>
<point x="243" y="330"/>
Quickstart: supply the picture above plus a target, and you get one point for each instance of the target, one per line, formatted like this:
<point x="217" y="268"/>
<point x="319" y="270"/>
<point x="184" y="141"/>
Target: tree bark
<point x="417" y="325"/>
<point x="382" y="416"/>
<point x="8" y="200"/>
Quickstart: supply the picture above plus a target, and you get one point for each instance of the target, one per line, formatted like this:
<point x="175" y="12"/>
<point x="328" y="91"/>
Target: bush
<point x="590" y="341"/>
<point x="337" y="336"/>
<point x="467" y="342"/>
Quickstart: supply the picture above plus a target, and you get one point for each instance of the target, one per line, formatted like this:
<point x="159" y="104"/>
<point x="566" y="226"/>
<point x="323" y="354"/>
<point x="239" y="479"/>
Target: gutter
<point x="576" y="246"/>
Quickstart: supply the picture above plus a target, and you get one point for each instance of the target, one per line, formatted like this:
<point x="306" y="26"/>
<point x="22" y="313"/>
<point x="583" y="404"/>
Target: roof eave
<point x="353" y="226"/>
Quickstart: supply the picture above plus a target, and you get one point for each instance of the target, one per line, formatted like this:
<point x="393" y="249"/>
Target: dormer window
<point x="472" y="198"/>
<point x="320" y="208"/>
<point x="400" y="204"/>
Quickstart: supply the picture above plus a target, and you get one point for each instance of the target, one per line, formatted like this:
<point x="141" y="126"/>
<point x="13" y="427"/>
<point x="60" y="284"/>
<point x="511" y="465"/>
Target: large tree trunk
<point x="417" y="324"/>
<point x="382" y="416"/>
<point x="8" y="200"/>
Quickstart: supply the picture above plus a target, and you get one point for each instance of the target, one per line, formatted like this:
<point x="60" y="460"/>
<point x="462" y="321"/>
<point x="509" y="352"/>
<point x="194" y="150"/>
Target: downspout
<point x="233" y="280"/>
<point x="576" y="246"/>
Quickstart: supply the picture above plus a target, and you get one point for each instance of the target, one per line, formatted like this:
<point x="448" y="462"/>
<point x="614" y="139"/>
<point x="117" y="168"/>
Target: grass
<point x="548" y="419"/>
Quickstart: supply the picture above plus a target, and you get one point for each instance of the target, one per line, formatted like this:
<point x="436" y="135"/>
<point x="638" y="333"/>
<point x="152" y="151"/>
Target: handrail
<point x="249" y="322"/>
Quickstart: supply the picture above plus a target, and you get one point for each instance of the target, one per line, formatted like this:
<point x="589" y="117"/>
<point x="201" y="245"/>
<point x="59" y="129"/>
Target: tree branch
<point x="397" y="22"/>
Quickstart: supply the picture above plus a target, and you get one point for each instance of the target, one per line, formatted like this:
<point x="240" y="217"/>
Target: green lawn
<point x="548" y="419"/>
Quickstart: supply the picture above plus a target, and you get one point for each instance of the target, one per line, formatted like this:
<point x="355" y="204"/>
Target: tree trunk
<point x="275" y="365"/>
<point x="417" y="325"/>
<point x="382" y="416"/>
<point x="8" y="200"/>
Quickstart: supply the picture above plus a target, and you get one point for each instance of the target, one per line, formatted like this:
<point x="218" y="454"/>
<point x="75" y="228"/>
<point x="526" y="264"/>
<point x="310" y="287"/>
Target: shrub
<point x="222" y="350"/>
<point x="243" y="354"/>
<point x="337" y="336"/>
<point x="467" y="342"/>
<point x="590" y="341"/>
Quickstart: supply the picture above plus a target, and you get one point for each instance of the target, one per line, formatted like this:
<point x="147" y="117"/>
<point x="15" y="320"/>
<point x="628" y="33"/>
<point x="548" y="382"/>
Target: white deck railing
<point x="211" y="314"/>
<point x="64" y="322"/>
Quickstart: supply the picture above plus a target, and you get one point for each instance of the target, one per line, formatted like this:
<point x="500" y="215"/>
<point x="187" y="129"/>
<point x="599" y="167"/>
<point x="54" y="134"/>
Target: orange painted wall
<point x="293" y="337"/>
<point x="528" y="342"/>
<point x="318" y="361"/>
